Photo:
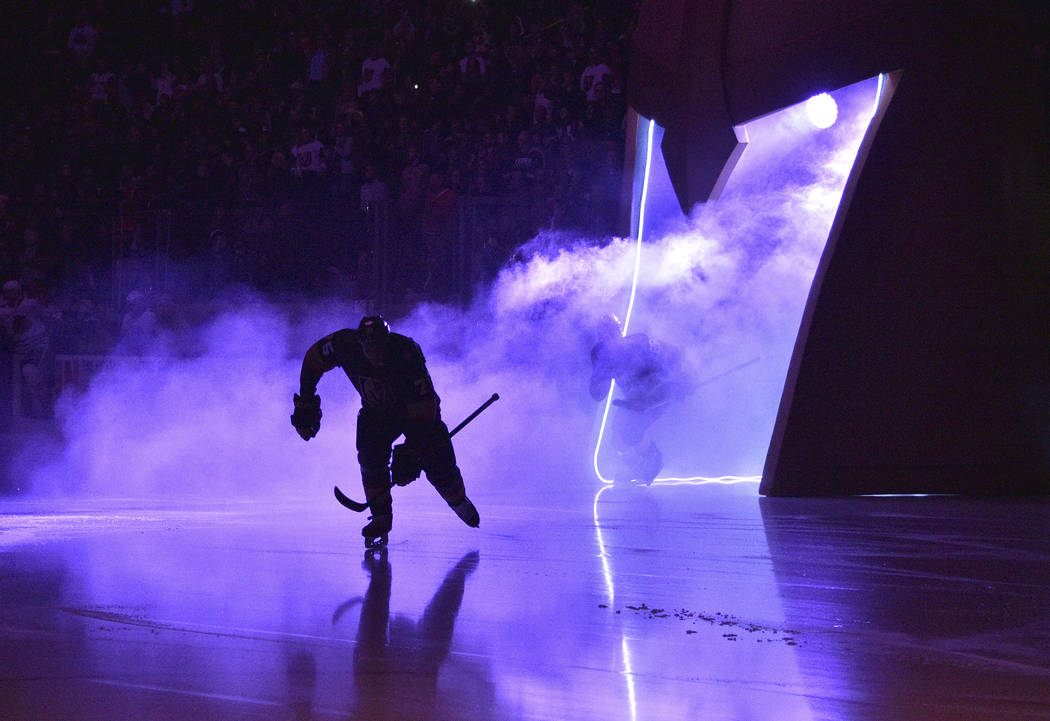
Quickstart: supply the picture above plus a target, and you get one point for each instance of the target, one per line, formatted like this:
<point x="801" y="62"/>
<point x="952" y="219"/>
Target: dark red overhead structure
<point x="923" y="360"/>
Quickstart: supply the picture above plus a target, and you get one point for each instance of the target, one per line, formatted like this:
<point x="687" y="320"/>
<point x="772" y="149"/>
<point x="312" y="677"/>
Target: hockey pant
<point x="630" y="438"/>
<point x="376" y="433"/>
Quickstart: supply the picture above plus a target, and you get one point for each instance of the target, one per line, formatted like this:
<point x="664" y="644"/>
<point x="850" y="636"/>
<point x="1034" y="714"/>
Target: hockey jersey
<point x="646" y="372"/>
<point x="402" y="379"/>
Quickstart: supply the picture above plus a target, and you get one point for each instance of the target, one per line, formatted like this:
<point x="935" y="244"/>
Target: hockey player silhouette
<point x="648" y="378"/>
<point x="397" y="397"/>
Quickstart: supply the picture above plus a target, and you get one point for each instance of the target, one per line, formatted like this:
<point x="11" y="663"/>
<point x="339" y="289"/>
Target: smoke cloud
<point x="726" y="286"/>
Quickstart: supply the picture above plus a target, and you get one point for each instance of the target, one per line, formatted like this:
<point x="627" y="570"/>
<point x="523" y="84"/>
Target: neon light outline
<point x="697" y="480"/>
<point x="634" y="287"/>
<point x="628" y="667"/>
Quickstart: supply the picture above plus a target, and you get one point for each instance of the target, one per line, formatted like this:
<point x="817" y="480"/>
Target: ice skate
<point x="650" y="463"/>
<point x="467" y="512"/>
<point x="376" y="530"/>
<point x="639" y="466"/>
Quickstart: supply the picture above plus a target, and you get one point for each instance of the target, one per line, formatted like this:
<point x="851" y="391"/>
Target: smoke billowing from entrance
<point x="726" y="286"/>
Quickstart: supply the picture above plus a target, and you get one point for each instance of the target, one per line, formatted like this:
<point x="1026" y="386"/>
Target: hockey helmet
<point x="373" y="329"/>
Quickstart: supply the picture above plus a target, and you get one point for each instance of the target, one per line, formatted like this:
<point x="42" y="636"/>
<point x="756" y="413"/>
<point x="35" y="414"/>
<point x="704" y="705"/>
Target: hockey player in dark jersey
<point x="648" y="376"/>
<point x="397" y="397"/>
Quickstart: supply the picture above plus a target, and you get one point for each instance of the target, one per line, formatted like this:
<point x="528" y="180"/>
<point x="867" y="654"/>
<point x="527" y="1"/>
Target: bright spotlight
<point x="822" y="110"/>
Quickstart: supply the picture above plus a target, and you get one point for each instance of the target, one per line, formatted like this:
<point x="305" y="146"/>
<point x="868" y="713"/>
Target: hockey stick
<point x="358" y="507"/>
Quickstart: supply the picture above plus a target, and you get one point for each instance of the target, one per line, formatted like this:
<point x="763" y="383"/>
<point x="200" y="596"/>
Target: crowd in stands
<point x="273" y="144"/>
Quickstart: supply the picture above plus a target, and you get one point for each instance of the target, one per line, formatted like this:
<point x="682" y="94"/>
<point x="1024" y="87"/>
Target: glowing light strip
<point x="628" y="667"/>
<point x="907" y="495"/>
<point x="697" y="480"/>
<point x="641" y="225"/>
<point x="634" y="287"/>
<point x="601" y="433"/>
<point x="708" y="480"/>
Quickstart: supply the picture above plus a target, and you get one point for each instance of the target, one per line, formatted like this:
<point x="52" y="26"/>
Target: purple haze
<point x="727" y="285"/>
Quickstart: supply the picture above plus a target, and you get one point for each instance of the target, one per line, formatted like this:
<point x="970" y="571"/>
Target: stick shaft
<point x="472" y="416"/>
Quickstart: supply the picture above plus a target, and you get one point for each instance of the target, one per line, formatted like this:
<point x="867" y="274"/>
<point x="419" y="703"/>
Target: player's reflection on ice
<point x="300" y="671"/>
<point x="396" y="662"/>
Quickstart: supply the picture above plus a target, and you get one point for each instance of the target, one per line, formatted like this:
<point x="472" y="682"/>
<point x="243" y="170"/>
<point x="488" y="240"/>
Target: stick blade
<point x="348" y="502"/>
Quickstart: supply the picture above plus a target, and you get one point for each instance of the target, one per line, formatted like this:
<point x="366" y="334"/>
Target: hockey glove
<point x="631" y="404"/>
<point x="307" y="415"/>
<point x="406" y="465"/>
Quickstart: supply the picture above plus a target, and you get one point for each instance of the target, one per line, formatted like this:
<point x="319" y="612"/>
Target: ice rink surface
<point x="663" y="603"/>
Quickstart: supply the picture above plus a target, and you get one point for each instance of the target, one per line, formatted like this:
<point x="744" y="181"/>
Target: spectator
<point x="317" y="69"/>
<point x="26" y="334"/>
<point x="413" y="187"/>
<point x="362" y="276"/>
<point x="374" y="192"/>
<point x="373" y="70"/>
<point x="529" y="158"/>
<point x="82" y="39"/>
<point x="343" y="158"/>
<point x="278" y="177"/>
<point x="440" y="214"/>
<point x="222" y="261"/>
<point x="596" y="73"/>
<point x="139" y="326"/>
<point x="103" y="82"/>
<point x="308" y="152"/>
<point x="216" y="111"/>
<point x="164" y="82"/>
<point x="471" y="61"/>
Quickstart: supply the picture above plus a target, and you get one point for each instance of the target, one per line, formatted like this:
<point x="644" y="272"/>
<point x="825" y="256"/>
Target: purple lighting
<point x="726" y="286"/>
